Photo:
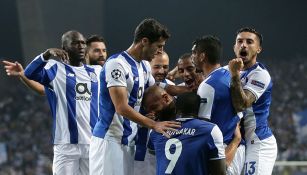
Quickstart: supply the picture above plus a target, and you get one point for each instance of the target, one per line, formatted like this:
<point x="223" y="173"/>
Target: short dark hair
<point x="211" y="45"/>
<point x="151" y="29"/>
<point x="251" y="30"/>
<point x="185" y="56"/>
<point x="94" y="38"/>
<point x="188" y="104"/>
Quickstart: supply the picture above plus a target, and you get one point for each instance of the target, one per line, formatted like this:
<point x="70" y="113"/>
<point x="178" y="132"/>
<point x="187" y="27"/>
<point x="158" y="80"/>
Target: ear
<point x="259" y="50"/>
<point x="144" y="41"/>
<point x="203" y="57"/>
<point x="166" y="98"/>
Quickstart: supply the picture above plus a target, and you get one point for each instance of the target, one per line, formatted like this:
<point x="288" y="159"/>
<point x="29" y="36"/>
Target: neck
<point x="135" y="52"/>
<point x="250" y="63"/>
<point x="208" y="68"/>
<point x="75" y="63"/>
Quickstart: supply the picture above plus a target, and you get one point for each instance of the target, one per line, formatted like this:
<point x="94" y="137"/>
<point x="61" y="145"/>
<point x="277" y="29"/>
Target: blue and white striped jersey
<point x="190" y="149"/>
<point x="216" y="104"/>
<point x="72" y="94"/>
<point x="257" y="80"/>
<point x="121" y="70"/>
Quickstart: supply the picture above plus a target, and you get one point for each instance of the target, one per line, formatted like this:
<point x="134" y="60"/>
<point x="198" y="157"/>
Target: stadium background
<point x="28" y="27"/>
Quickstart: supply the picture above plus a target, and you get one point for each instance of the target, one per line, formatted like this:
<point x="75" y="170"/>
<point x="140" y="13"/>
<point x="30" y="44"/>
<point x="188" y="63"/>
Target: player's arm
<point x="241" y="99"/>
<point x="16" y="69"/>
<point x="119" y="98"/>
<point x="217" y="164"/>
<point x="36" y="69"/>
<point x="173" y="74"/>
<point x="231" y="148"/>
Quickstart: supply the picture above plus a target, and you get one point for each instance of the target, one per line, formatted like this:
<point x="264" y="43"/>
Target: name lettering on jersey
<point x="83" y="93"/>
<point x="183" y="131"/>
<point x="258" y="83"/>
<point x="116" y="74"/>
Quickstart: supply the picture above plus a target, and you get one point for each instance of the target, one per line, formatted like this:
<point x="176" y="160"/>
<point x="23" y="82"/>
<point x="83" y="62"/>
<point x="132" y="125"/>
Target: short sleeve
<point x="115" y="73"/>
<point x="257" y="82"/>
<point x="216" y="148"/>
<point x="206" y="93"/>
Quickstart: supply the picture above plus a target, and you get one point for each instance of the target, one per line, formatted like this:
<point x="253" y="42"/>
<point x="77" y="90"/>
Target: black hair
<point x="251" y="30"/>
<point x="151" y="29"/>
<point x="212" y="47"/>
<point x="188" y="104"/>
<point x="94" y="38"/>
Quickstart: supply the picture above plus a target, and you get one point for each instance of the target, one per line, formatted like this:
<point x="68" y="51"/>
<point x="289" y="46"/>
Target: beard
<point x="168" y="113"/>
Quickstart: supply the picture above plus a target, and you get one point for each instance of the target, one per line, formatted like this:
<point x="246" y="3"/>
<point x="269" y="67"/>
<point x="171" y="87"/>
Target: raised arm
<point x="16" y="69"/>
<point x="241" y="99"/>
<point x="119" y="98"/>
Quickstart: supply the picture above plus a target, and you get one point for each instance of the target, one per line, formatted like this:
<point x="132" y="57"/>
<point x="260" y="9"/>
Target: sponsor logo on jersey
<point x="82" y="92"/>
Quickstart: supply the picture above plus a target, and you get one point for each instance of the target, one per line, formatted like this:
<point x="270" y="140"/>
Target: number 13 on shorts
<point x="173" y="157"/>
<point x="250" y="168"/>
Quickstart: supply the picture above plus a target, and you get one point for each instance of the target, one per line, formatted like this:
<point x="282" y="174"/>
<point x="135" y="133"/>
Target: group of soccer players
<point x="109" y="119"/>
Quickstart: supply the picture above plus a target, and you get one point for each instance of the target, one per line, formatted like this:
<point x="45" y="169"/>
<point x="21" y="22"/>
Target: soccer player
<point x="96" y="54"/>
<point x="216" y="104"/>
<point x="196" y="148"/>
<point x="251" y="88"/>
<point x="72" y="92"/>
<point x="123" y="80"/>
<point x="159" y="68"/>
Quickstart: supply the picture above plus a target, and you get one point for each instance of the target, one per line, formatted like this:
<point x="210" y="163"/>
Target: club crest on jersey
<point x="93" y="77"/>
<point x="257" y="83"/>
<point x="116" y="74"/>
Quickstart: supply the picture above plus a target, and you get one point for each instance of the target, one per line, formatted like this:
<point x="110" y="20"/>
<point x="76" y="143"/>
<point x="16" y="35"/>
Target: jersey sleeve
<point x="41" y="70"/>
<point x="115" y="73"/>
<point x="216" y="146"/>
<point x="206" y="93"/>
<point x="257" y="82"/>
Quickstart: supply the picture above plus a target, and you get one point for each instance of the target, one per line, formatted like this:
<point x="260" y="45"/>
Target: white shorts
<point x="237" y="163"/>
<point x="260" y="156"/>
<point x="72" y="159"/>
<point x="110" y="158"/>
<point x="146" y="167"/>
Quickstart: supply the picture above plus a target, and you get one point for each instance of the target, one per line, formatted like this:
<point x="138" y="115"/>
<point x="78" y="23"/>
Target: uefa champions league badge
<point x="93" y="77"/>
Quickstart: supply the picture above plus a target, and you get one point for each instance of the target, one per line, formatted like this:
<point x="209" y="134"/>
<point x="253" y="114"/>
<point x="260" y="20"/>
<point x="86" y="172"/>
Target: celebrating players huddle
<point x="127" y="118"/>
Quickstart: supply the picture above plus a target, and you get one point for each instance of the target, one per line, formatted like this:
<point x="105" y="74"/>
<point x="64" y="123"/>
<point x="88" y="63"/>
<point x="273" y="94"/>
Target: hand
<point x="162" y="127"/>
<point x="13" y="69"/>
<point x="58" y="53"/>
<point x="173" y="74"/>
<point x="235" y="66"/>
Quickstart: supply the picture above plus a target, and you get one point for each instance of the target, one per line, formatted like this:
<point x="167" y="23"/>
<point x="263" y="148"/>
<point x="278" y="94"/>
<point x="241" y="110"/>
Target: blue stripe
<point x="52" y="103"/>
<point x="71" y="104"/>
<point x="132" y="98"/>
<point x="146" y="83"/>
<point x="94" y="97"/>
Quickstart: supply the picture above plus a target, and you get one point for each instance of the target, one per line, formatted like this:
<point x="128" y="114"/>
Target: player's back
<point x="221" y="112"/>
<point x="190" y="149"/>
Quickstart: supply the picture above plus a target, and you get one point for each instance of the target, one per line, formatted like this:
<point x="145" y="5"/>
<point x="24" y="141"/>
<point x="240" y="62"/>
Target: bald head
<point x="73" y="43"/>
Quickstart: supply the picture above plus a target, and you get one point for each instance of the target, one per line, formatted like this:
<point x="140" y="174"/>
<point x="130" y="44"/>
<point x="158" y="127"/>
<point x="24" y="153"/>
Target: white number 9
<point x="172" y="157"/>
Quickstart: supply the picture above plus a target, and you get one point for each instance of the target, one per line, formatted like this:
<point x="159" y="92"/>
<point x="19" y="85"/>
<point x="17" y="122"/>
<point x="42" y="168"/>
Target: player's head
<point x="188" y="104"/>
<point x="96" y="50"/>
<point x="160" y="66"/>
<point x="248" y="45"/>
<point x="158" y="101"/>
<point x="73" y="43"/>
<point x="186" y="69"/>
<point x="206" y="50"/>
<point x="151" y="35"/>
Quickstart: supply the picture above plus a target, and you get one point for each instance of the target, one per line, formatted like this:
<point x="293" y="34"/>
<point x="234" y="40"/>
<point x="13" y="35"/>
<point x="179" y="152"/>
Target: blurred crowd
<point x="25" y="120"/>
